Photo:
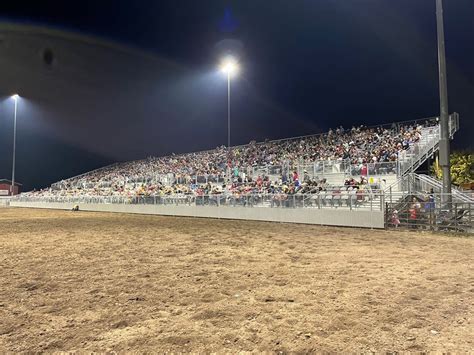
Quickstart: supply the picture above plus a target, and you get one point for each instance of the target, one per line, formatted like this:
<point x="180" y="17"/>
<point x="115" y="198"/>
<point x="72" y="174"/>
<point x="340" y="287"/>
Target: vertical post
<point x="470" y="214"/>
<point x="456" y="221"/>
<point x="444" y="149"/>
<point x="12" y="187"/>
<point x="229" y="173"/>
<point x="228" y="111"/>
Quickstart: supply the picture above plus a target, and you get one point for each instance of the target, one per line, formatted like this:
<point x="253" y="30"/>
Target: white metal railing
<point x="413" y="183"/>
<point x="427" y="146"/>
<point x="357" y="199"/>
<point x="417" y="154"/>
<point x="427" y="183"/>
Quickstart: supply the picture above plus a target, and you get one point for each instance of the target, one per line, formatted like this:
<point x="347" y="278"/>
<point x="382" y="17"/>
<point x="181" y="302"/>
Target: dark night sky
<point x="307" y="65"/>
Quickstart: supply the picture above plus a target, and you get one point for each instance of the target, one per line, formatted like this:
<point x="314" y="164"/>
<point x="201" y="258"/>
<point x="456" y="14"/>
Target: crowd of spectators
<point x="281" y="193"/>
<point x="230" y="171"/>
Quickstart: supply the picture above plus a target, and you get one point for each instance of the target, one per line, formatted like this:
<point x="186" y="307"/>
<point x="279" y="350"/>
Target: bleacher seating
<point x="361" y="157"/>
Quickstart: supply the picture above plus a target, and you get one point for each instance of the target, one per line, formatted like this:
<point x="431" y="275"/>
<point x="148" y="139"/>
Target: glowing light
<point x="229" y="66"/>
<point x="15" y="97"/>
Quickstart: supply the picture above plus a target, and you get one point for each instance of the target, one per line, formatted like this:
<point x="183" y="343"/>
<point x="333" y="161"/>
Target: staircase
<point x="411" y="185"/>
<point x="414" y="157"/>
<point x="417" y="154"/>
<point x="421" y="182"/>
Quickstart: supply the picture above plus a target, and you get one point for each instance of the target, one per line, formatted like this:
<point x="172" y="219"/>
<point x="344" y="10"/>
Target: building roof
<point x="9" y="182"/>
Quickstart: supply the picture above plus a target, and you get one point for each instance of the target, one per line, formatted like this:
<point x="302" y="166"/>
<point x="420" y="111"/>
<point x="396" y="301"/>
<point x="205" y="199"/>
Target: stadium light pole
<point x="12" y="187"/>
<point x="230" y="68"/>
<point x="444" y="149"/>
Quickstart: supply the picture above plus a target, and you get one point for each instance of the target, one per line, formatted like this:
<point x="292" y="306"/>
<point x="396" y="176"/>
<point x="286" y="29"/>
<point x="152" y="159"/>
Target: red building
<point x="5" y="186"/>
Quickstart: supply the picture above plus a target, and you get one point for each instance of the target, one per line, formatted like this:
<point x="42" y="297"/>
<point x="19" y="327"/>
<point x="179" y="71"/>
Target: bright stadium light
<point x="229" y="66"/>
<point x="15" y="97"/>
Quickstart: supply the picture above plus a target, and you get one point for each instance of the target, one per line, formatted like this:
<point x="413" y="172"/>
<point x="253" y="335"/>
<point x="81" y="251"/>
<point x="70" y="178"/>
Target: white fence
<point x="325" y="216"/>
<point x="4" y="201"/>
<point x="337" y="198"/>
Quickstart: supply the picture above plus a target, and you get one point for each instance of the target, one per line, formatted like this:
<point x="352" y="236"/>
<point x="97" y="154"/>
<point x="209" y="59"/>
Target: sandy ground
<point x="102" y="282"/>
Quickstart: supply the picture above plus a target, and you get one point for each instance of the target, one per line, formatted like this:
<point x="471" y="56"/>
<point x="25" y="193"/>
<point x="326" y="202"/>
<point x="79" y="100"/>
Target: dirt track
<point x="96" y="281"/>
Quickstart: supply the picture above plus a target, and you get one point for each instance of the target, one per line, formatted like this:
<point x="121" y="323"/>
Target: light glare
<point x="229" y="66"/>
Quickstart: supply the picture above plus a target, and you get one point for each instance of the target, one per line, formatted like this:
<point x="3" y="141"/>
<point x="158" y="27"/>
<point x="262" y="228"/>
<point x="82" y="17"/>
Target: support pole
<point x="12" y="187"/>
<point x="444" y="149"/>
<point x="229" y="178"/>
<point x="228" y="111"/>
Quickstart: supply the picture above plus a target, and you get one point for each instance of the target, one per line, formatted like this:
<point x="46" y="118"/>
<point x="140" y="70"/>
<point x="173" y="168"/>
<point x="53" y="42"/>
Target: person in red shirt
<point x="413" y="212"/>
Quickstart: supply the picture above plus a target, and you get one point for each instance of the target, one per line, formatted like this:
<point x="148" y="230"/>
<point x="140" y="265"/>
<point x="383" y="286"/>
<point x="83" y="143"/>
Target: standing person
<point x="306" y="177"/>
<point x="414" y="212"/>
<point x="430" y="206"/>
<point x="431" y="200"/>
<point x="395" y="219"/>
<point x="295" y="176"/>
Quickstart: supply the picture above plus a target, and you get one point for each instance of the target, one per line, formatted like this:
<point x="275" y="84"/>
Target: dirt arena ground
<point x="113" y="282"/>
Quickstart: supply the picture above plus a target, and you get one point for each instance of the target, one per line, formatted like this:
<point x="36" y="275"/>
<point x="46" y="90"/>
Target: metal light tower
<point x="12" y="187"/>
<point x="230" y="68"/>
<point x="444" y="149"/>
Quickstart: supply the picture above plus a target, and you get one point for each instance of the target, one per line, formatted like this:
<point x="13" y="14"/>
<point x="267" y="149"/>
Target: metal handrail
<point x="434" y="183"/>
<point x="364" y="199"/>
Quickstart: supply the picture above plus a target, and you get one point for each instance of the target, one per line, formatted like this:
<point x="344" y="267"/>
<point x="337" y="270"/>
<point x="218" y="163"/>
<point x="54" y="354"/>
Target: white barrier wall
<point x="332" y="216"/>
<point x="4" y="201"/>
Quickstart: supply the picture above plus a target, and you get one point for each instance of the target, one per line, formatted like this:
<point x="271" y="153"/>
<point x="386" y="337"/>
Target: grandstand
<point x="363" y="169"/>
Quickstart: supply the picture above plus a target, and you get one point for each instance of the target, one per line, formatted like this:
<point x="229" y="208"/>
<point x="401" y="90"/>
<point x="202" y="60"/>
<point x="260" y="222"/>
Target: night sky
<point x="153" y="87"/>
